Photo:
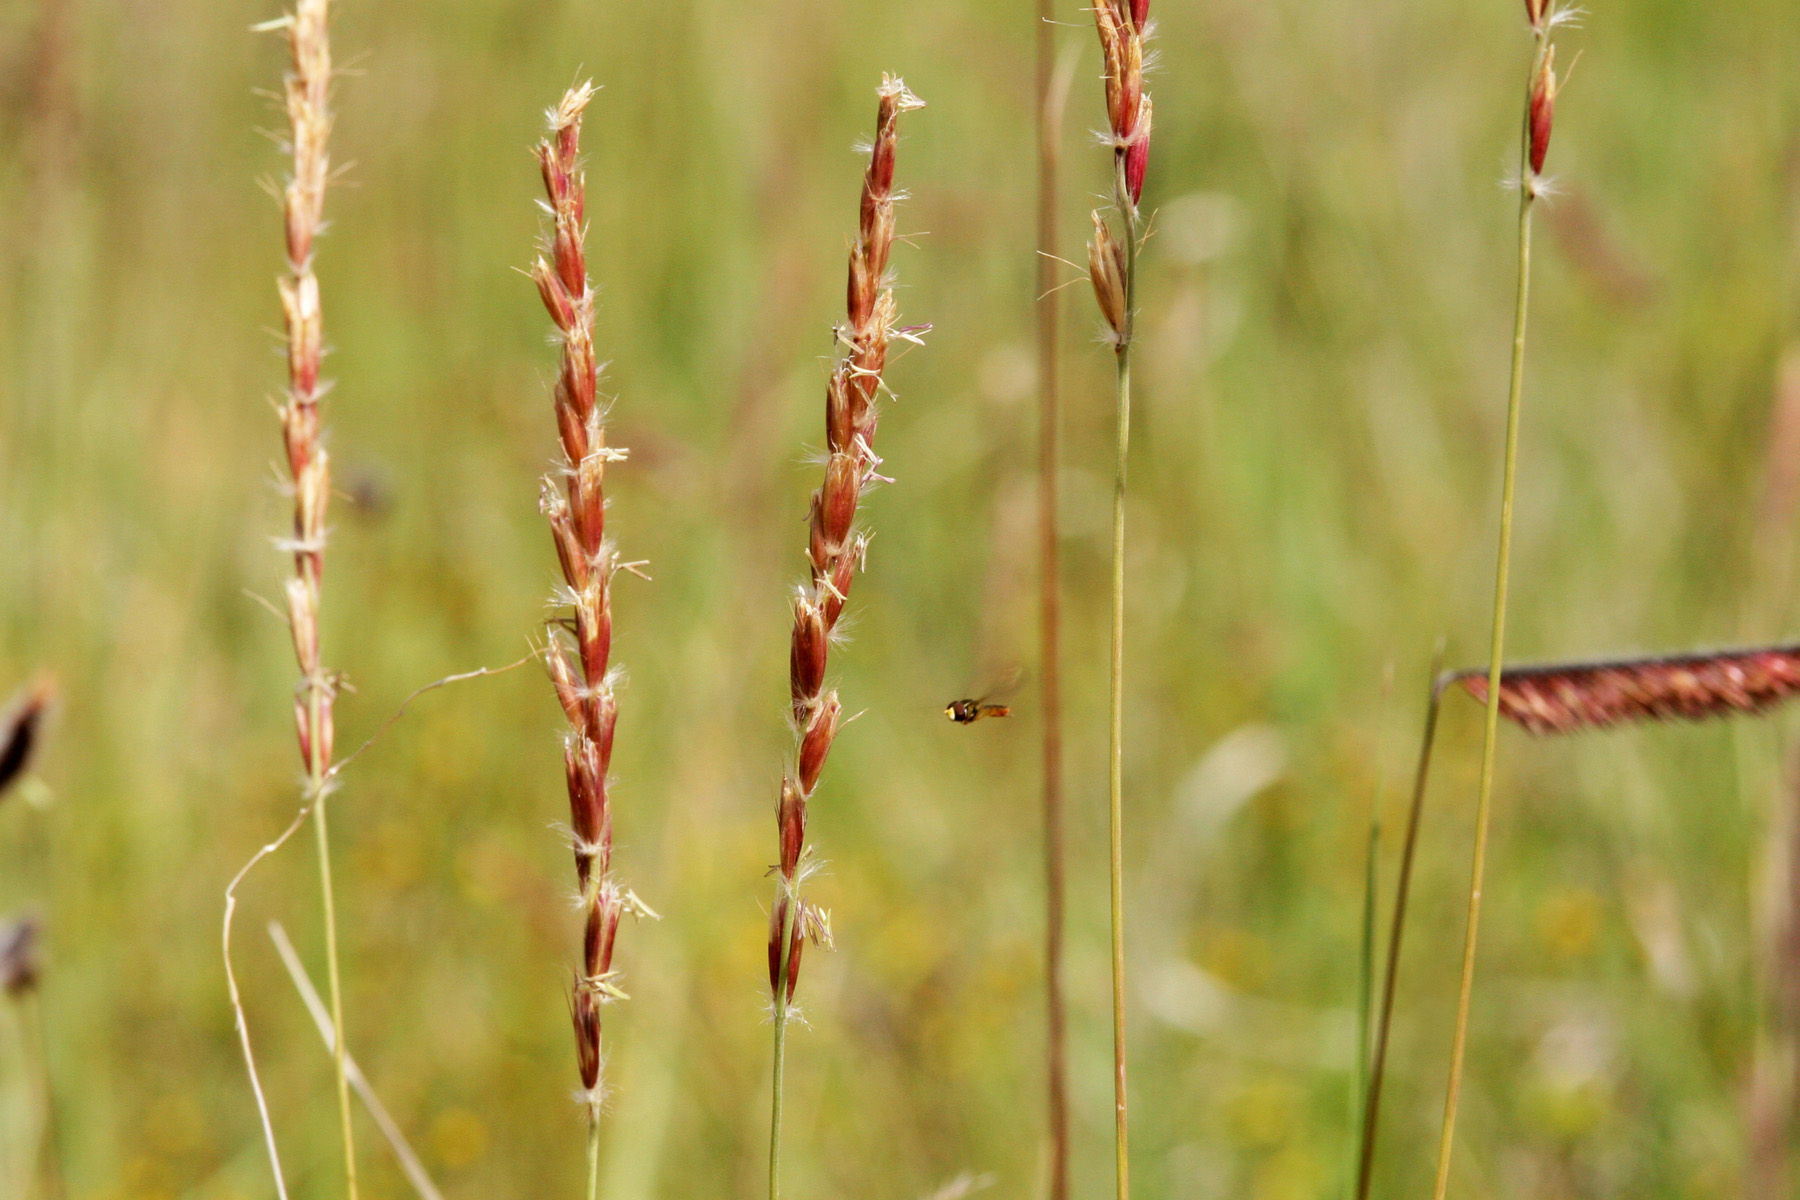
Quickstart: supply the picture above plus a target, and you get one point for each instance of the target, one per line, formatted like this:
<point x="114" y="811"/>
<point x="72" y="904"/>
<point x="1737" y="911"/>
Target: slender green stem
<point x="781" y="1023"/>
<point x="593" y="1153"/>
<point x="1391" y="972"/>
<point x="1491" y="730"/>
<point x="1116" y="741"/>
<point x="317" y="788"/>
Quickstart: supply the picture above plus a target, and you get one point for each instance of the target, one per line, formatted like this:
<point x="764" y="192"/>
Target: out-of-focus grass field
<point x="1326" y="309"/>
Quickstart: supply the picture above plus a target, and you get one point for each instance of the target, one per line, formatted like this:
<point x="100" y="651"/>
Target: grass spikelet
<point x="836" y="551"/>
<point x="1557" y="698"/>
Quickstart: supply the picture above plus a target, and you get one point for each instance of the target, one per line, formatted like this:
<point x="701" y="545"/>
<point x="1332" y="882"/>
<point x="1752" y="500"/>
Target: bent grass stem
<point x="1402" y="890"/>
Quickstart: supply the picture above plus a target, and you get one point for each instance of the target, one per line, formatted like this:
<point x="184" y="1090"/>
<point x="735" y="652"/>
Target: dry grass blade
<point x="1556" y="698"/>
<point x="384" y="1120"/>
<point x="239" y="1019"/>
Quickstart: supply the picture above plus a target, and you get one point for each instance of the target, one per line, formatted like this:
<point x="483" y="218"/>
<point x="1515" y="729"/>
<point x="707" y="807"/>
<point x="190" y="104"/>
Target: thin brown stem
<point x="1049" y="117"/>
<point x="1402" y="890"/>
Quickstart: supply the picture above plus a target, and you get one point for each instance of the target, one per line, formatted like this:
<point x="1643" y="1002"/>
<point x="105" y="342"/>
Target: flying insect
<point x="967" y="712"/>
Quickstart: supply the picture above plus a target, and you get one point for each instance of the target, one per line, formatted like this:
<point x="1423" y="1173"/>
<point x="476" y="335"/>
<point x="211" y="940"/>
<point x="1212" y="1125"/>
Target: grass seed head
<point x="573" y="501"/>
<point x="1569" y="697"/>
<point x="836" y="551"/>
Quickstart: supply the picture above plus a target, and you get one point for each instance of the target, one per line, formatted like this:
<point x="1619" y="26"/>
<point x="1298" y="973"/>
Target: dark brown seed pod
<point x="21" y="729"/>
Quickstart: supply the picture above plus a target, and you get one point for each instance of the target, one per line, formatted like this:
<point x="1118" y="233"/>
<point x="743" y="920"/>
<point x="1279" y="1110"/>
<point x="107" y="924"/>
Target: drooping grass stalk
<point x="836" y="551"/>
<point x="1371" y="1111"/>
<point x="1052" y="90"/>
<point x="1567" y="697"/>
<point x="1571" y="697"/>
<point x="1112" y="266"/>
<point x="578" y="650"/>
<point x="1540" y="100"/>
<point x="307" y="93"/>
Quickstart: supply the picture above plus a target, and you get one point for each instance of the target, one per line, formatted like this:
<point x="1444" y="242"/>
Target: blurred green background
<point x="1326" y="307"/>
